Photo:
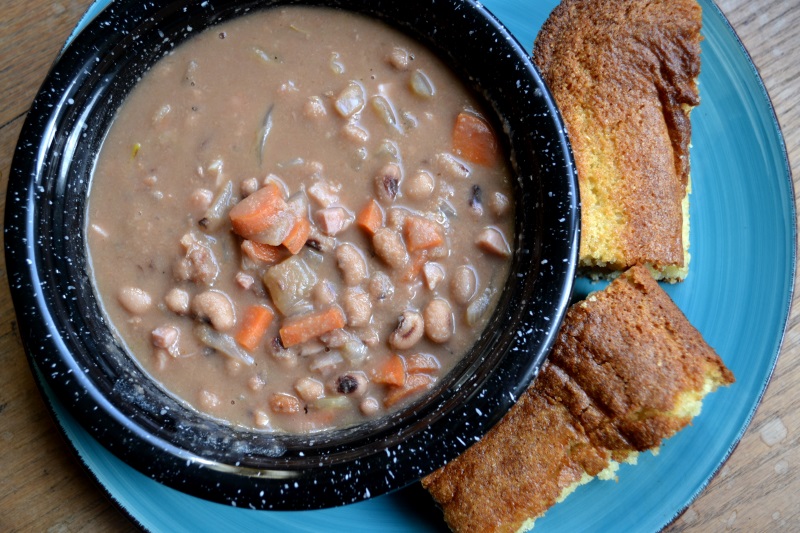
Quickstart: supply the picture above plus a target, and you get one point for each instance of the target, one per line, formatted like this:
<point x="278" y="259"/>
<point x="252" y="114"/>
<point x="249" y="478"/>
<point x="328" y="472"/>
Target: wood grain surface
<point x="43" y="488"/>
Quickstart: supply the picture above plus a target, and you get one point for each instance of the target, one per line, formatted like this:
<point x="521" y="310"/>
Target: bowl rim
<point x="48" y="347"/>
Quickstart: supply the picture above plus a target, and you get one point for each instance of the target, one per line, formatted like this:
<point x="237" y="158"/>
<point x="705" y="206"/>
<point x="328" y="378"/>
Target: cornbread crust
<point x="627" y="371"/>
<point x="623" y="74"/>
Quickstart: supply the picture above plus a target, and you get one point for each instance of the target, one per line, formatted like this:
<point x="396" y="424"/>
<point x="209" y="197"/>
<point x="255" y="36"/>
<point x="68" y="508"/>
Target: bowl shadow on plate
<point x="414" y="500"/>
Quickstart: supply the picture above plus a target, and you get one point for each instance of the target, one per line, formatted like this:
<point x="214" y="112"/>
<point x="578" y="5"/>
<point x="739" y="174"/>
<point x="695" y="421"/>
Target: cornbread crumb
<point x="627" y="371"/>
<point x="623" y="74"/>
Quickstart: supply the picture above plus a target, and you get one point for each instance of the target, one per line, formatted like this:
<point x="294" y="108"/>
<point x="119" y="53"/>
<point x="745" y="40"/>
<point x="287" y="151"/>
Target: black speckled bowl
<point x="70" y="345"/>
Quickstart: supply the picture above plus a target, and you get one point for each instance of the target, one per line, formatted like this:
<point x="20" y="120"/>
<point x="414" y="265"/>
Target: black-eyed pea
<point x="451" y="166"/>
<point x="387" y="182"/>
<point x="420" y="186"/>
<point x="463" y="284"/>
<point x="352" y="384"/>
<point x="134" y="300"/>
<point x="399" y="58"/>
<point x="177" y="301"/>
<point x="216" y="307"/>
<point x="369" y="406"/>
<point x="369" y="336"/>
<point x="309" y="389"/>
<point x="380" y="287"/>
<point x="352" y="264"/>
<point x="357" y="307"/>
<point x="390" y="248"/>
<point x="286" y="358"/>
<point x="439" y="323"/>
<point x="410" y="329"/>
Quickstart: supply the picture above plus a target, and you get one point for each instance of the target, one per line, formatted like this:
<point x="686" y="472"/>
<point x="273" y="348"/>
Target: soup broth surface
<point x="300" y="219"/>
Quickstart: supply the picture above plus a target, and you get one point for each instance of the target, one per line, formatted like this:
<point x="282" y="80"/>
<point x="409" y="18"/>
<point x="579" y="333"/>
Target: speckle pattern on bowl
<point x="69" y="343"/>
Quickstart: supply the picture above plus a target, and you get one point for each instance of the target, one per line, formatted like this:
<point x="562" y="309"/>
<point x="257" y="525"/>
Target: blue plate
<point x="737" y="294"/>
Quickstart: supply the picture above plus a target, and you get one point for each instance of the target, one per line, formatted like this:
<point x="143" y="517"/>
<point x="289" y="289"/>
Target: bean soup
<point x="300" y="220"/>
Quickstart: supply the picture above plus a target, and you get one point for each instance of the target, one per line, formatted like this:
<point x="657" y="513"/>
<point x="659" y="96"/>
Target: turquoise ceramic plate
<point x="737" y="294"/>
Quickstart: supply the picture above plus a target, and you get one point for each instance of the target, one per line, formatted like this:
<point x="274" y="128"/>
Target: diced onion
<point x="263" y="56"/>
<point x="222" y="343"/>
<point x="477" y="308"/>
<point x="289" y="283"/>
<point x="354" y="351"/>
<point x="336" y="66"/>
<point x="421" y="84"/>
<point x="351" y="100"/>
<point x="384" y="109"/>
<point x="215" y="214"/>
<point x="326" y="362"/>
<point x="332" y="402"/>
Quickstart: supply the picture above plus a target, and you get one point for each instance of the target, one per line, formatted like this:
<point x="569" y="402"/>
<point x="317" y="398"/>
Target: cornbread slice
<point x="623" y="74"/>
<point x="627" y="371"/>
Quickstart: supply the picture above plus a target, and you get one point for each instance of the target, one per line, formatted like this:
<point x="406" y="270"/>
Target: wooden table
<point x="43" y="488"/>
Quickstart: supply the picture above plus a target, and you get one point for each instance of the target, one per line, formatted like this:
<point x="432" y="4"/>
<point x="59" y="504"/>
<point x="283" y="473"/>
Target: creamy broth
<point x="300" y="219"/>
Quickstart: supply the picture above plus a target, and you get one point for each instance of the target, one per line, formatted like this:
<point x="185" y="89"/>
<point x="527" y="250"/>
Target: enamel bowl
<point x="74" y="351"/>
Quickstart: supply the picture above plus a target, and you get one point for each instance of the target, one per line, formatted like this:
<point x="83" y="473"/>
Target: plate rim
<point x="787" y="175"/>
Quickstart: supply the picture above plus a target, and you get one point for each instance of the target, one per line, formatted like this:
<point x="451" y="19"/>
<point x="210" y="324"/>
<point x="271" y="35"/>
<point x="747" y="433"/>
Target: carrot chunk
<point x="258" y="212"/>
<point x="415" y="383"/>
<point x="414" y="266"/>
<point x="298" y="236"/>
<point x="474" y="140"/>
<point x="421" y="233"/>
<point x="422" y="363"/>
<point x="311" y="325"/>
<point x="255" y="322"/>
<point x="370" y="218"/>
<point x="264" y="253"/>
<point x="391" y="372"/>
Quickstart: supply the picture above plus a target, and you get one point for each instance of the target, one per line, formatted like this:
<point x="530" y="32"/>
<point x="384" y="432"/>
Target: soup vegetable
<point x="300" y="220"/>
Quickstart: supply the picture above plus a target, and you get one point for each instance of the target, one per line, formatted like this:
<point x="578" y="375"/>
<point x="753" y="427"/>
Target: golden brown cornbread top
<point x="623" y="359"/>
<point x="623" y="75"/>
<point x="622" y="364"/>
